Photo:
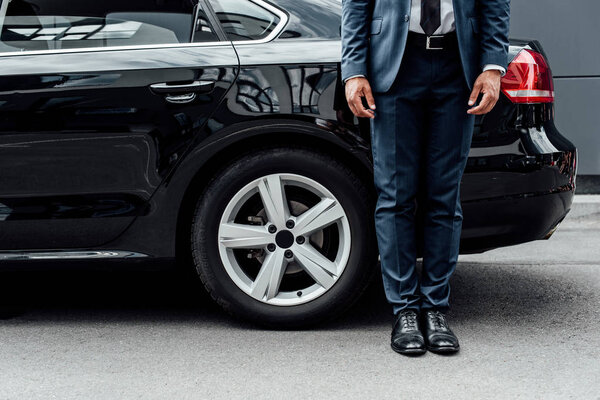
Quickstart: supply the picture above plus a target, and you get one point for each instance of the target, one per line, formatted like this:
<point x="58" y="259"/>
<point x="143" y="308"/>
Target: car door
<point x="98" y="101"/>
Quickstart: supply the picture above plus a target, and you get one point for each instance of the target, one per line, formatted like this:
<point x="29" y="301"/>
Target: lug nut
<point x="300" y="240"/>
<point x="271" y="247"/>
<point x="290" y="224"/>
<point x="272" y="229"/>
<point x="288" y="254"/>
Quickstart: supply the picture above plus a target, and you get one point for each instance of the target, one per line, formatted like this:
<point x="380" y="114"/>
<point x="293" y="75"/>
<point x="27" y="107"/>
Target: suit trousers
<point x="421" y="136"/>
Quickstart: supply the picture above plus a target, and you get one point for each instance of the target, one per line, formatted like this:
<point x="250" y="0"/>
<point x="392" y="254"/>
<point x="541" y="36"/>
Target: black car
<point x="215" y="132"/>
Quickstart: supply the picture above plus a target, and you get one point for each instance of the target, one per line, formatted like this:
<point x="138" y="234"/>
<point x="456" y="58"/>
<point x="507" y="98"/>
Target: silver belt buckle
<point x="428" y="45"/>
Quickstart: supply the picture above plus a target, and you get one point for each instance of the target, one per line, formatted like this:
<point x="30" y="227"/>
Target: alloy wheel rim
<point x="307" y="243"/>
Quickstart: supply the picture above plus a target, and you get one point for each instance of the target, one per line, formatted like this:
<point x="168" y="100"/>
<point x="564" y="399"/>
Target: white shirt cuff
<point x="353" y="76"/>
<point x="490" y="67"/>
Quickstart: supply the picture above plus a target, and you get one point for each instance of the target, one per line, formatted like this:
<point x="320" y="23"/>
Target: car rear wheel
<point x="284" y="237"/>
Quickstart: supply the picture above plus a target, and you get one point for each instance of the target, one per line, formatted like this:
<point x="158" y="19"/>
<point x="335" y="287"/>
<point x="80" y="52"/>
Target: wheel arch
<point x="236" y="143"/>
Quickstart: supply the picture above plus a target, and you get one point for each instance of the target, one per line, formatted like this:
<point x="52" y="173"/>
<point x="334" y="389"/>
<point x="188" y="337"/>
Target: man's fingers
<point x="369" y="97"/>
<point x="481" y="107"/>
<point x="358" y="109"/>
<point x="475" y="93"/>
<point x="357" y="105"/>
<point x="491" y="102"/>
<point x="351" y="99"/>
<point x="484" y="106"/>
<point x="362" y="111"/>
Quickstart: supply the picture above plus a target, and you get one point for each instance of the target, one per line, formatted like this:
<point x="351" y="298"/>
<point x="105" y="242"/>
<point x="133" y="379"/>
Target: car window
<point x="32" y="25"/>
<point x="244" y="19"/>
<point x="204" y="31"/>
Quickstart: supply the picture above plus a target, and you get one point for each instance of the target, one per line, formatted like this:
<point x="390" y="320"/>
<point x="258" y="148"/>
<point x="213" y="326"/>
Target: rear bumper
<point x="493" y="223"/>
<point x="520" y="178"/>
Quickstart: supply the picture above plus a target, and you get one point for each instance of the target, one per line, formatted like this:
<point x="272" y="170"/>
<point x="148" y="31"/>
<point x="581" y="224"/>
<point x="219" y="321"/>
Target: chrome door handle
<point x="181" y="98"/>
<point x="194" y="87"/>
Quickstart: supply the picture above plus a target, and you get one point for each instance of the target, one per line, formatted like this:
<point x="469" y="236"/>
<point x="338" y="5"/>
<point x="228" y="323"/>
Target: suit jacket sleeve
<point x="495" y="21"/>
<point x="356" y="15"/>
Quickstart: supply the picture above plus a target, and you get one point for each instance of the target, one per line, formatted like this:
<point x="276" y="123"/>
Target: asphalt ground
<point x="527" y="317"/>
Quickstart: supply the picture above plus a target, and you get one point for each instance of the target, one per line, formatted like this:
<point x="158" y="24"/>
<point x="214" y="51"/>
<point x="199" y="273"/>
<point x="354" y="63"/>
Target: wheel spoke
<point x="266" y="284"/>
<point x="239" y="236"/>
<point x="273" y="198"/>
<point x="321" y="269"/>
<point x="325" y="213"/>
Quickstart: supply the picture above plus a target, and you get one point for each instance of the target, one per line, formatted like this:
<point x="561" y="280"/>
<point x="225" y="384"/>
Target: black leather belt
<point x="435" y="42"/>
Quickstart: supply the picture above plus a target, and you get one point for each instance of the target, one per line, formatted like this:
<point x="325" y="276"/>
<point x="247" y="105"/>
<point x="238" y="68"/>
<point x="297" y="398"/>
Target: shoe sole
<point x="409" y="352"/>
<point x="443" y="350"/>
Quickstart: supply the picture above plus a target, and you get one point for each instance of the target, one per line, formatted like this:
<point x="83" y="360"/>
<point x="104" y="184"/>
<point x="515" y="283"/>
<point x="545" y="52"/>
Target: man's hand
<point x="488" y="83"/>
<point x="356" y="88"/>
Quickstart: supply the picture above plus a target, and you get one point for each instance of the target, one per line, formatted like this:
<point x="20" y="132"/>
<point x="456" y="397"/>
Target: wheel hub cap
<point x="284" y="239"/>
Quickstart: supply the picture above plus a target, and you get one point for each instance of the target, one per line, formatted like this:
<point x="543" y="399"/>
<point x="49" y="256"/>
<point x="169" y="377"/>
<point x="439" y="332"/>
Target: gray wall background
<point x="569" y="31"/>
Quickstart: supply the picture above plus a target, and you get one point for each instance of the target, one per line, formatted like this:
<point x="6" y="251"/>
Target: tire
<point x="304" y="295"/>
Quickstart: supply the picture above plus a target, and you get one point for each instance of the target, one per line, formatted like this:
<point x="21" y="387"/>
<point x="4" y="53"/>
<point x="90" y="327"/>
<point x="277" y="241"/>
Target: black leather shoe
<point x="438" y="335"/>
<point x="406" y="336"/>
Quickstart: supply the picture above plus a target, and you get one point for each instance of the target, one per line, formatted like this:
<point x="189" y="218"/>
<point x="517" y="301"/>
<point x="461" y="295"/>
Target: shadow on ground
<point x="480" y="292"/>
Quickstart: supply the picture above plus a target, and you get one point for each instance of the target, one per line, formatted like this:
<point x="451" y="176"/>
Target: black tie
<point x="430" y="16"/>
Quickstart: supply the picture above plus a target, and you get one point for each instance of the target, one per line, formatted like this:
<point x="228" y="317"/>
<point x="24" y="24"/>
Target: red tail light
<point x="528" y="79"/>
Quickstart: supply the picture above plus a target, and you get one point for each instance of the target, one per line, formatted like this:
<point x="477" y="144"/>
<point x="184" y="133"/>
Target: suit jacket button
<point x="406" y="18"/>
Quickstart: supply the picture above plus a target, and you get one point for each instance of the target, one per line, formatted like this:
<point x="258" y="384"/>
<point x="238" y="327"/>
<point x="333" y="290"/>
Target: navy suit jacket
<point x="374" y="36"/>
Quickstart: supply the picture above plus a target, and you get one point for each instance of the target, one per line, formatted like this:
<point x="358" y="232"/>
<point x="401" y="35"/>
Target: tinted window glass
<point x="68" y="24"/>
<point x="244" y="20"/>
<point x="204" y="31"/>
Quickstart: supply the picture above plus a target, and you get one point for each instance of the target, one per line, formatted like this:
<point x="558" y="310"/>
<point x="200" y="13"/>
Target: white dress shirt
<point x="446" y="16"/>
<point x="447" y="26"/>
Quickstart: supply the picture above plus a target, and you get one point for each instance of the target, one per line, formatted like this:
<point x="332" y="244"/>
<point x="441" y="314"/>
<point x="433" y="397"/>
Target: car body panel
<point x="84" y="142"/>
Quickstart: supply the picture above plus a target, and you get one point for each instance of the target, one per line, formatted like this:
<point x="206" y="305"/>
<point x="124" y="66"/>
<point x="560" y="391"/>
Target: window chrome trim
<point x="283" y="20"/>
<point x="114" y="48"/>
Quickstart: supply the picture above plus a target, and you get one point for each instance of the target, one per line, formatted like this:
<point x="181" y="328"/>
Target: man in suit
<point x="421" y="71"/>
